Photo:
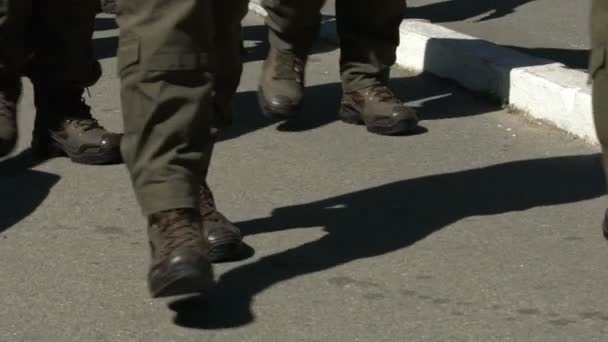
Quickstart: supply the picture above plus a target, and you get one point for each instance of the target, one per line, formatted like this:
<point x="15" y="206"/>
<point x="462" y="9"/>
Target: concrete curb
<point x="544" y="89"/>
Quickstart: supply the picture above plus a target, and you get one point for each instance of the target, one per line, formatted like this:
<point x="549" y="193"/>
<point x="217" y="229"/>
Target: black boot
<point x="64" y="126"/>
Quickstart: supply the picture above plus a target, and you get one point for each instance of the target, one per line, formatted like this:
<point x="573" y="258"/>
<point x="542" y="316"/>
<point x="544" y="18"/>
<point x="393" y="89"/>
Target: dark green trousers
<point x="179" y="64"/>
<point x="368" y="33"/>
<point x="51" y="38"/>
<point x="599" y="72"/>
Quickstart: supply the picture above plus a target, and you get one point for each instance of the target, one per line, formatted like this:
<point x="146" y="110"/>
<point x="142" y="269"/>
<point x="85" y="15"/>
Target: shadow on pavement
<point x="459" y="10"/>
<point x="462" y="10"/>
<point x="387" y="218"/>
<point x="433" y="100"/>
<point x="106" y="47"/>
<point x="571" y="58"/>
<point x="24" y="189"/>
<point x="105" y="24"/>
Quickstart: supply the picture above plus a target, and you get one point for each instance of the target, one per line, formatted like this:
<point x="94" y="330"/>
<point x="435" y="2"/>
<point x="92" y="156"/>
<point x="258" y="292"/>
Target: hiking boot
<point x="64" y="126"/>
<point x="223" y="237"/>
<point x="379" y="109"/>
<point x="179" y="263"/>
<point x="9" y="96"/>
<point x="281" y="87"/>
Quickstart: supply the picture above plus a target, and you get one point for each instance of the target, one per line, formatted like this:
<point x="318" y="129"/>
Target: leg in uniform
<point x="599" y="73"/>
<point x="168" y="63"/>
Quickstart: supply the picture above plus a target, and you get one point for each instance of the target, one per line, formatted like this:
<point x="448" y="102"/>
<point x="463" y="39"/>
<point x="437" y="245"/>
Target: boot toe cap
<point x="111" y="141"/>
<point x="403" y="113"/>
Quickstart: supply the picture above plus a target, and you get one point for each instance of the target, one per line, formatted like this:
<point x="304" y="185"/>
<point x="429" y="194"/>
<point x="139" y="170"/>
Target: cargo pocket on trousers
<point x="597" y="61"/>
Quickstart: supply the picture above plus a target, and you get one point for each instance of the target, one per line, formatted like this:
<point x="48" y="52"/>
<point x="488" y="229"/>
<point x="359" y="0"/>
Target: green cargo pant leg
<point x="599" y="73"/>
<point x="228" y="43"/>
<point x="293" y="24"/>
<point x="165" y="57"/>
<point x="369" y="36"/>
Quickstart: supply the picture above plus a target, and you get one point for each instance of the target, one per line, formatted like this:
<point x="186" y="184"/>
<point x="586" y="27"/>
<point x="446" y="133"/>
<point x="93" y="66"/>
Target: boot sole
<point x="399" y="127"/>
<point x="55" y="149"/>
<point x="183" y="280"/>
<point x="276" y="113"/>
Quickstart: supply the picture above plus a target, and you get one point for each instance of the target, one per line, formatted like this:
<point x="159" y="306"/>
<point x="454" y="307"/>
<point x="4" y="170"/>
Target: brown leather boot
<point x="179" y="254"/>
<point x="379" y="109"/>
<point x="223" y="237"/>
<point x="281" y="88"/>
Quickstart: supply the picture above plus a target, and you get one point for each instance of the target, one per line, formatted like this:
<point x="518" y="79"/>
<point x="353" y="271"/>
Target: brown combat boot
<point x="64" y="126"/>
<point x="10" y="91"/>
<point x="281" y="88"/>
<point x="223" y="237"/>
<point x="379" y="109"/>
<point x="179" y="262"/>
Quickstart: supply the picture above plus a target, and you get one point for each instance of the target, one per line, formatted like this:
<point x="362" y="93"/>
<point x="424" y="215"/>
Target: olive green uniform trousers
<point x="599" y="72"/>
<point x="51" y="39"/>
<point x="368" y="32"/>
<point x="179" y="64"/>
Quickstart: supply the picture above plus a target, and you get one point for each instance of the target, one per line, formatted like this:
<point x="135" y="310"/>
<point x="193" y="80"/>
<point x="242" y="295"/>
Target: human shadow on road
<point x="433" y="100"/>
<point x="255" y="38"/>
<point x="23" y="189"/>
<point x="384" y="219"/>
<point x="571" y="58"/>
<point x="105" y="24"/>
<point x="459" y="10"/>
<point x="105" y="47"/>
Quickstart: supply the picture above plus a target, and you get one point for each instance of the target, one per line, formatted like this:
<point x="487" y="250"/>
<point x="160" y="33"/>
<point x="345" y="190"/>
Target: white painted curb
<point x="544" y="89"/>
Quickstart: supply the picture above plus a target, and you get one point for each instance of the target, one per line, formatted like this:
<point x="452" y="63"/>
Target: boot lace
<point x="82" y="118"/>
<point x="289" y="67"/>
<point x="177" y="231"/>
<point x="383" y="93"/>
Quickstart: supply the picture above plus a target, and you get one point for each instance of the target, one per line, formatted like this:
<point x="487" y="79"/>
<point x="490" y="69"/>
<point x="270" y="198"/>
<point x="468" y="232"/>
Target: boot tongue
<point x="169" y="216"/>
<point x="382" y="93"/>
<point x="77" y="112"/>
<point x="288" y="66"/>
<point x="84" y="124"/>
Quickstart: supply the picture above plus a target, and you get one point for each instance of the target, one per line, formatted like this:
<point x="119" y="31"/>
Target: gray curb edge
<point x="541" y="88"/>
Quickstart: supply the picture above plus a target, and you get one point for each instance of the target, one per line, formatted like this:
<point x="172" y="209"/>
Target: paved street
<point x="554" y="29"/>
<point x="482" y="227"/>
